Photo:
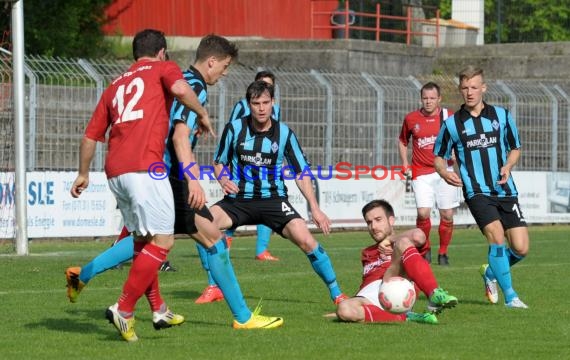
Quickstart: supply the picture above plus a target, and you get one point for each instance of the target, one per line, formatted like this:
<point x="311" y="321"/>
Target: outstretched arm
<point x="86" y="153"/>
<point x="184" y="93"/>
<point x="512" y="160"/>
<point x="180" y="139"/>
<point x="319" y="218"/>
<point x="450" y="177"/>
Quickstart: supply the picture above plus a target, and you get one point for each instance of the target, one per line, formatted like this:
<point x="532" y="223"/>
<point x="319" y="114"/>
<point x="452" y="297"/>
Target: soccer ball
<point x="397" y="295"/>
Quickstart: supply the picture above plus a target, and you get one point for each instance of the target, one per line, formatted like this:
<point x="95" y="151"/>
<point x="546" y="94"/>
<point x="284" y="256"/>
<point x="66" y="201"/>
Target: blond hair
<point x="470" y="72"/>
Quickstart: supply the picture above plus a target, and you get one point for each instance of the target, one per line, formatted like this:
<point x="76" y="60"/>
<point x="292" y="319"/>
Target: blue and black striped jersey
<point x="180" y="113"/>
<point x="255" y="161"/>
<point x="482" y="145"/>
<point x="241" y="109"/>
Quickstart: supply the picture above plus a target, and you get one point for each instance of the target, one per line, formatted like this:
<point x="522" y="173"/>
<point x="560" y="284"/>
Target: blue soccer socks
<point x="108" y="259"/>
<point x="223" y="274"/>
<point x="323" y="267"/>
<point x="263" y="237"/>
<point x="204" y="260"/>
<point x="499" y="264"/>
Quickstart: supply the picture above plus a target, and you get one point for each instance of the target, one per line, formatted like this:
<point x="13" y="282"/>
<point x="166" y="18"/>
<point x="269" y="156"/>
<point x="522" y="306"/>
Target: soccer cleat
<point x="266" y="256"/>
<point x="166" y="267"/>
<point x="257" y="321"/>
<point x="425" y="318"/>
<point x="211" y="293"/>
<point x="126" y="327"/>
<point x="440" y="300"/>
<point x="166" y="319"/>
<point x="516" y="303"/>
<point x="74" y="285"/>
<point x="491" y="288"/>
<point x="340" y="298"/>
<point x="442" y="259"/>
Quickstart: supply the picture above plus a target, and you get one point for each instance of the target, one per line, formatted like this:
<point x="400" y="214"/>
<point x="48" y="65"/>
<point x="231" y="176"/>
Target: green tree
<point x="509" y="21"/>
<point x="62" y="27"/>
<point x="527" y="21"/>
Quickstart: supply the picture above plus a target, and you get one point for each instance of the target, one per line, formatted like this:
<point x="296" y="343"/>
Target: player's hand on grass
<point x="80" y="184"/>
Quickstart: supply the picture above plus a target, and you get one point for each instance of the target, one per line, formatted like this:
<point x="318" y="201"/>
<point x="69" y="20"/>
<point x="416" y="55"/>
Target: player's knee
<point x="446" y="215"/>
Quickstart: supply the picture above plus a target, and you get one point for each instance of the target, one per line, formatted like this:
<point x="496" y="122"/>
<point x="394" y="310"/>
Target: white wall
<point x="471" y="12"/>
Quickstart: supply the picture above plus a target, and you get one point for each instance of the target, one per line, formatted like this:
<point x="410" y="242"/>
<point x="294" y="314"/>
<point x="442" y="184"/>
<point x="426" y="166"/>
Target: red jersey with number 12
<point x="423" y="130"/>
<point x="136" y="106"/>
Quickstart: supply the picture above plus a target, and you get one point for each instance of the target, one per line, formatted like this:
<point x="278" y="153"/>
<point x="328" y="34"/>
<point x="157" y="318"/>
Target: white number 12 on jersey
<point x="129" y="113"/>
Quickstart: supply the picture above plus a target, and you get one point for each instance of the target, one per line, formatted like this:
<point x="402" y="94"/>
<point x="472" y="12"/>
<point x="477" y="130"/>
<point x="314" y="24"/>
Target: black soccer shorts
<point x="275" y="213"/>
<point x="184" y="215"/>
<point x="486" y="209"/>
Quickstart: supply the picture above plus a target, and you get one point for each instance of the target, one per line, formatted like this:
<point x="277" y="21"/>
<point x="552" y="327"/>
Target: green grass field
<point x="39" y="322"/>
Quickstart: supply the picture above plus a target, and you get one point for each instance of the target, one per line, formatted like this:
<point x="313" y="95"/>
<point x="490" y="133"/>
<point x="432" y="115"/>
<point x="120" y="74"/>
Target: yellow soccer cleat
<point x="125" y="326"/>
<point x="166" y="319"/>
<point x="257" y="321"/>
<point x="74" y="285"/>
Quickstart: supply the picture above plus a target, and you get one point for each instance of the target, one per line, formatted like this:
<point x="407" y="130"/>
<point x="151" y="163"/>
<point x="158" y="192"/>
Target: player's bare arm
<point x="183" y="92"/>
<point x="319" y="218"/>
<point x="86" y="153"/>
<point x="196" y="195"/>
<point x="512" y="160"/>
<point x="450" y="177"/>
<point x="403" y="150"/>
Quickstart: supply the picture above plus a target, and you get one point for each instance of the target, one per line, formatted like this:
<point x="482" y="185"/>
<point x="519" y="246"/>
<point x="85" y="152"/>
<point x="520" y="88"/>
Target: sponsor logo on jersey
<point x="427" y="141"/>
<point x="482" y="143"/>
<point x="258" y="159"/>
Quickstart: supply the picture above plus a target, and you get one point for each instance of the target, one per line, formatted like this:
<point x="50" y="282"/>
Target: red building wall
<point x="277" y="19"/>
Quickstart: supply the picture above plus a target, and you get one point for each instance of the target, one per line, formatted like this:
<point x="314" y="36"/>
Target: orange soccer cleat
<point x="211" y="294"/>
<point x="266" y="256"/>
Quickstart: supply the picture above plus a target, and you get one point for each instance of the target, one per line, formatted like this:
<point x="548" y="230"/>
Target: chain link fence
<point x="338" y="116"/>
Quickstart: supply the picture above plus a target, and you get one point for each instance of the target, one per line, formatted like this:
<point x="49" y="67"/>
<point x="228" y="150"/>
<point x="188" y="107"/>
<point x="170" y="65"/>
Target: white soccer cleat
<point x="516" y="303"/>
<point x="491" y="287"/>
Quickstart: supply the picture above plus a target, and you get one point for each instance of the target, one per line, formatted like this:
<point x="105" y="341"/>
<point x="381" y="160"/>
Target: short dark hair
<point x="430" y="86"/>
<point x="257" y="88"/>
<point x="148" y="42"/>
<point x="388" y="209"/>
<point x="265" y="74"/>
<point x="217" y="46"/>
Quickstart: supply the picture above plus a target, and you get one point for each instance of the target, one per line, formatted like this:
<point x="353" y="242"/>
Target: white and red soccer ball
<point x="397" y="295"/>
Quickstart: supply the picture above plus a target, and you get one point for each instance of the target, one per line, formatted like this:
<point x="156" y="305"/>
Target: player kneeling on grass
<point x="392" y="255"/>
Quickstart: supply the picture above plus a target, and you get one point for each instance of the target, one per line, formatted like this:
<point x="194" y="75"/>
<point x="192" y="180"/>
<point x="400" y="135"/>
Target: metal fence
<point x="352" y="117"/>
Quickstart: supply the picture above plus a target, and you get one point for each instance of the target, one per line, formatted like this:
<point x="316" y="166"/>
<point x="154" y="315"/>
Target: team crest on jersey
<point x="274" y="147"/>
<point x="416" y="128"/>
<point x="495" y="124"/>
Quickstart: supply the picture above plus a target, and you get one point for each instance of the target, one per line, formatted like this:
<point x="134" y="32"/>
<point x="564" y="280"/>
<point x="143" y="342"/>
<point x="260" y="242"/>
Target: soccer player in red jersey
<point x="136" y="107"/>
<point x="392" y="255"/>
<point x="422" y="126"/>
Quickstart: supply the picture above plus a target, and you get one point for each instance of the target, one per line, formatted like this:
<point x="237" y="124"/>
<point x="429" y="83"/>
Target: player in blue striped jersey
<point x="250" y="167"/>
<point x="212" y="292"/>
<point x="241" y="109"/>
<point x="213" y="57"/>
<point x="487" y="146"/>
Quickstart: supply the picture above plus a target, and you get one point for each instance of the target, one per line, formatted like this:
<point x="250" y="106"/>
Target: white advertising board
<point x="52" y="212"/>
